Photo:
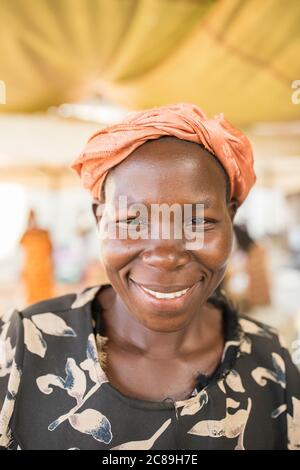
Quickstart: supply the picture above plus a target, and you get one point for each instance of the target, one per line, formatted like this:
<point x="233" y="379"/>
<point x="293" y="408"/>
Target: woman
<point x="154" y="359"/>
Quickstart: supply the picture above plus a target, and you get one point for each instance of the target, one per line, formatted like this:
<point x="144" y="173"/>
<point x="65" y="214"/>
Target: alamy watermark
<point x="2" y="92"/>
<point x="159" y="221"/>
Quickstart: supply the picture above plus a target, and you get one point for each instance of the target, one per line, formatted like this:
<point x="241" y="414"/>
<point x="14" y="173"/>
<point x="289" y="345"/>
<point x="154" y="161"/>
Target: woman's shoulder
<point x="243" y="325"/>
<point x="56" y="305"/>
<point x="254" y="327"/>
<point x="266" y="348"/>
<point x="263" y="338"/>
<point x="44" y="338"/>
<point x="61" y="304"/>
<point x="64" y="316"/>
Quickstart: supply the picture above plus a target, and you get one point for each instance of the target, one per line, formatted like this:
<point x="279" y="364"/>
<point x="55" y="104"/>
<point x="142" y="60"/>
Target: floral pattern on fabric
<point x="51" y="352"/>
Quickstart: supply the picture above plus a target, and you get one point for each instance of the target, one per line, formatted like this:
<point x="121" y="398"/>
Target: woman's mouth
<point x="165" y="295"/>
<point x="165" y="299"/>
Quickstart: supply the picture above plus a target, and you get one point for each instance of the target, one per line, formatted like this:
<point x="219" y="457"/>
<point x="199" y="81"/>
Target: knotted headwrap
<point x="110" y="145"/>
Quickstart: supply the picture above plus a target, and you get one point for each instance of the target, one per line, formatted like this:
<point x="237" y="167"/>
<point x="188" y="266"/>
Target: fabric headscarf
<point x="110" y="145"/>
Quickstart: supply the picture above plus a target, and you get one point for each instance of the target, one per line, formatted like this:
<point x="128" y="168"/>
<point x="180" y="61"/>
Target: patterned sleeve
<point x="11" y="352"/>
<point x="292" y="399"/>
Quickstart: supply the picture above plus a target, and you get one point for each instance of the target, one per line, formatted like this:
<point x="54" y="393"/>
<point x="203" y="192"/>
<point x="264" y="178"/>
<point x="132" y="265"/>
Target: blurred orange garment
<point x="37" y="273"/>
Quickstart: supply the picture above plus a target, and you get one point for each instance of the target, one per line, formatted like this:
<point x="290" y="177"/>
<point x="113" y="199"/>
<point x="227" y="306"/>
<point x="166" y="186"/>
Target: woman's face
<point x="167" y="171"/>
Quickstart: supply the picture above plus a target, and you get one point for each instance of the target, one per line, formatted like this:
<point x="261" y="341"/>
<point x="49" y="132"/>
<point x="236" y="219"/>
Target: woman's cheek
<point x="217" y="248"/>
<point x="115" y="254"/>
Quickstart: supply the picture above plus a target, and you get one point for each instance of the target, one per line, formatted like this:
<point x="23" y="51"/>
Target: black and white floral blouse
<point x="54" y="394"/>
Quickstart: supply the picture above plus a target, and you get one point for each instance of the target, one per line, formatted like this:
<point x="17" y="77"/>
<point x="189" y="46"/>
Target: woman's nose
<point x="167" y="257"/>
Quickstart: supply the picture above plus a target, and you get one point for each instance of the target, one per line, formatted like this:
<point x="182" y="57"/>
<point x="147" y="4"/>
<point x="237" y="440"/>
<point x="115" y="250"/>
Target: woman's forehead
<point x="166" y="147"/>
<point x="168" y="169"/>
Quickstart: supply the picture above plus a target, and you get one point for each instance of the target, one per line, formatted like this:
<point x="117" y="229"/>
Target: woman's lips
<point x="165" y="298"/>
<point x="165" y="295"/>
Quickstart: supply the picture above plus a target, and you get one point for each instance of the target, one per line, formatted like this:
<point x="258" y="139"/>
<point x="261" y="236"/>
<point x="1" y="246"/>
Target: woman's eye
<point x="198" y="220"/>
<point x="131" y="222"/>
<point x="199" y="223"/>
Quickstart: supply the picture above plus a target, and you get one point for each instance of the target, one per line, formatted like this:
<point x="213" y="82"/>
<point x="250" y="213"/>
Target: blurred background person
<point x="247" y="279"/>
<point x="37" y="272"/>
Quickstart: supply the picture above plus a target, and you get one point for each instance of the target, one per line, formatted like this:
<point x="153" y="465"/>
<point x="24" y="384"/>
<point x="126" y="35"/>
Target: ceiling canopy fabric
<point x="239" y="57"/>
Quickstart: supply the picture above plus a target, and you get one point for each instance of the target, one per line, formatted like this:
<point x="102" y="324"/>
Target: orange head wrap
<point x="110" y="145"/>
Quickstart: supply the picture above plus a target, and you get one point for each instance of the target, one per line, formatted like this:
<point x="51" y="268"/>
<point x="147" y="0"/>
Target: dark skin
<point x="157" y="352"/>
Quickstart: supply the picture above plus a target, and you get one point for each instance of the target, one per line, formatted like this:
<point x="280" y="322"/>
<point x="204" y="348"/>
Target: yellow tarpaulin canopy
<point x="235" y="56"/>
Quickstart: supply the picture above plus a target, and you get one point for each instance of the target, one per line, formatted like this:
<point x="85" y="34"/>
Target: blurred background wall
<point x="68" y="67"/>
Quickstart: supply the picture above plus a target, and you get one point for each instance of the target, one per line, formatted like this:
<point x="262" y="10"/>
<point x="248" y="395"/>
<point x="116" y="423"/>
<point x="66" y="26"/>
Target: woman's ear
<point x="232" y="207"/>
<point x="97" y="207"/>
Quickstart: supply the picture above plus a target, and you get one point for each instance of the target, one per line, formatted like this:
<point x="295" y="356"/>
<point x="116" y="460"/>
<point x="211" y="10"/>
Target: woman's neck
<point x="201" y="334"/>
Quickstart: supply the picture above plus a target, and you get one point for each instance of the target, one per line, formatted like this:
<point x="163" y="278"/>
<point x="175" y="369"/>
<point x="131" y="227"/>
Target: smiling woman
<point x="155" y="359"/>
<point x="164" y="266"/>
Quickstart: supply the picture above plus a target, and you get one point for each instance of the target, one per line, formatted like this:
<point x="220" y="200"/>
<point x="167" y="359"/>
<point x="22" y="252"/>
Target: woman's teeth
<point x="163" y="295"/>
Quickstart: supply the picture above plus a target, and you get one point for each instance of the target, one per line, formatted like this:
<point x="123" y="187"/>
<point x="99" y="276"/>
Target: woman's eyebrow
<point x="207" y="202"/>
